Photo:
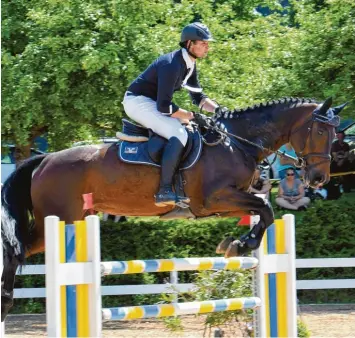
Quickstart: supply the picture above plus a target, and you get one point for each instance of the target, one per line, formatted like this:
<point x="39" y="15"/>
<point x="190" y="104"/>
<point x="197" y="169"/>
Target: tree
<point x="67" y="64"/>
<point x="325" y="58"/>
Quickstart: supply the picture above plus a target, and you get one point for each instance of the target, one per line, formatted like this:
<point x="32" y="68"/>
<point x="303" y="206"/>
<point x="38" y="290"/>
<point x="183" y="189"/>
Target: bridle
<point x="301" y="159"/>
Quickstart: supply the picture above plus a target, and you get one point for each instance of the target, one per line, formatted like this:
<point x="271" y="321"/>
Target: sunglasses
<point x="290" y="174"/>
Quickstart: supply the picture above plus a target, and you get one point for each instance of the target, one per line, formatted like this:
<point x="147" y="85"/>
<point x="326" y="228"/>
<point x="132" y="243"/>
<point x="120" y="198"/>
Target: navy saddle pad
<point x="150" y="152"/>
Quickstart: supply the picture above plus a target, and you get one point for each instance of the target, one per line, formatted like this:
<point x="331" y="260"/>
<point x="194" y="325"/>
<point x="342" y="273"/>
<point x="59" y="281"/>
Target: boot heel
<point x="165" y="204"/>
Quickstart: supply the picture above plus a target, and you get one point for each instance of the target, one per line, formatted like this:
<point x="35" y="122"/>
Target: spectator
<point x="260" y="185"/>
<point x="291" y="193"/>
<point x="340" y="160"/>
<point x="285" y="163"/>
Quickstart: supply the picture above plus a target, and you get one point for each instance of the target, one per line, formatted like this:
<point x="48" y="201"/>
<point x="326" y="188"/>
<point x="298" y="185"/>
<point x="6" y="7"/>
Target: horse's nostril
<point x="319" y="179"/>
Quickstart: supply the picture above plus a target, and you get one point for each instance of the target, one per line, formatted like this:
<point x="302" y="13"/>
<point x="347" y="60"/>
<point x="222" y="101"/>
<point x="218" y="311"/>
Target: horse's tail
<point x="17" y="219"/>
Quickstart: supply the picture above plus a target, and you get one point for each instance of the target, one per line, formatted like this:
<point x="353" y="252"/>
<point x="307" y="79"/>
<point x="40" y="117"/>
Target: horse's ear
<point x="338" y="109"/>
<point x="325" y="106"/>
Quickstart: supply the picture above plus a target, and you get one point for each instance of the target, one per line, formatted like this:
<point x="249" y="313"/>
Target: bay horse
<point x="53" y="184"/>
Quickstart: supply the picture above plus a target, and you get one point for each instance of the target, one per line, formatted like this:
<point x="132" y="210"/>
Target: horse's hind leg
<point x="69" y="214"/>
<point x="7" y="285"/>
<point x="53" y="196"/>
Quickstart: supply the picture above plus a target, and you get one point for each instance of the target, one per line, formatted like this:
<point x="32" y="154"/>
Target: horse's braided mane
<point x="284" y="100"/>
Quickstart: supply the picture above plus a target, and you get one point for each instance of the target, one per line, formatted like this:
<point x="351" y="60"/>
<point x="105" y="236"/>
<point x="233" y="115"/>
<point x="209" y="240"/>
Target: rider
<point x="148" y="101"/>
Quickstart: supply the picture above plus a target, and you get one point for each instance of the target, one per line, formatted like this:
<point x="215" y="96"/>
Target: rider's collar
<point x="189" y="63"/>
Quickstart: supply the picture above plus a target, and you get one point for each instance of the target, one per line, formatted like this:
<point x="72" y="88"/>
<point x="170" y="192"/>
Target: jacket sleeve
<point x="167" y="77"/>
<point x="193" y="82"/>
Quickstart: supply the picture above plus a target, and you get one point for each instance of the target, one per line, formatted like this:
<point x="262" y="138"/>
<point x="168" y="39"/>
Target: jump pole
<point x="73" y="281"/>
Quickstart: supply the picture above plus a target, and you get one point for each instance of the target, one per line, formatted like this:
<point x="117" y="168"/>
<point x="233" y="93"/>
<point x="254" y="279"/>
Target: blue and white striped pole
<point x="168" y="310"/>
<point x="177" y="264"/>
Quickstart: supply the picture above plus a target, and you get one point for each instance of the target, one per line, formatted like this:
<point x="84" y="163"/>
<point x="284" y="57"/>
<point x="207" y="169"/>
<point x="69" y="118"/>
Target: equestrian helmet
<point x="196" y="31"/>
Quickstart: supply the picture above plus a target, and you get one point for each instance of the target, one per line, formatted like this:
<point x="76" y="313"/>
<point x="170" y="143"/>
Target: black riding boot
<point x="169" y="164"/>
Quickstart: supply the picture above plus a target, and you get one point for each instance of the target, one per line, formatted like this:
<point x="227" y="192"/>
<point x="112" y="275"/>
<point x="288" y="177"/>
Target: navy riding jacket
<point x="162" y="78"/>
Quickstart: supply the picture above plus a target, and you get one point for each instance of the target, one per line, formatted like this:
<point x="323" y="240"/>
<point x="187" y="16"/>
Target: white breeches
<point x="144" y="110"/>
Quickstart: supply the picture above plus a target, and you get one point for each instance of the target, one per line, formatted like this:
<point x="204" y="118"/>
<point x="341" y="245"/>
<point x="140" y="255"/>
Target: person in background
<point x="340" y="160"/>
<point x="291" y="194"/>
<point x="285" y="163"/>
<point x="260" y="185"/>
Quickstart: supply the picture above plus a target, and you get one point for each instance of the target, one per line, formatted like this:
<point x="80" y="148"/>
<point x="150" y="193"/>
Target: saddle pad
<point x="137" y="152"/>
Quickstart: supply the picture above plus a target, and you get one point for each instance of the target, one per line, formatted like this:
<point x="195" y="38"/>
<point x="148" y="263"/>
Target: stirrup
<point x="171" y="199"/>
<point x="165" y="197"/>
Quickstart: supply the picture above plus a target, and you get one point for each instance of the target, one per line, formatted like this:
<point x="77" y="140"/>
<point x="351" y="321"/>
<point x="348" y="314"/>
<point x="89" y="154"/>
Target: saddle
<point x="140" y="145"/>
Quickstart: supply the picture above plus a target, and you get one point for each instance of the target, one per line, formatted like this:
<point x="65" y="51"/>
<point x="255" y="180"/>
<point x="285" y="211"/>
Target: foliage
<point x="302" y="330"/>
<point x="66" y="64"/>
<point x="325" y="55"/>
<point x="173" y="324"/>
<point x="220" y="285"/>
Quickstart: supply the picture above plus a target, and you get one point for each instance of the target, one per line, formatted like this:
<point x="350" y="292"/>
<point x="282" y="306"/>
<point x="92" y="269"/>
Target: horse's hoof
<point x="237" y="248"/>
<point x="233" y="249"/>
<point x="224" y="244"/>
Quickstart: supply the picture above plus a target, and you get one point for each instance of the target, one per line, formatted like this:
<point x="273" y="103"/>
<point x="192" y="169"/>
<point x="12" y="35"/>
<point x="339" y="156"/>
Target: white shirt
<point x="190" y="64"/>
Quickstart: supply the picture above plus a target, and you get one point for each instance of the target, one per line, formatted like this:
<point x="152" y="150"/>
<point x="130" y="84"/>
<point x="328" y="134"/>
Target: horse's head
<point x="312" y="141"/>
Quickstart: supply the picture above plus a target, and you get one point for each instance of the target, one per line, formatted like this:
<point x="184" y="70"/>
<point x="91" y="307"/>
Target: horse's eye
<point x="320" y="132"/>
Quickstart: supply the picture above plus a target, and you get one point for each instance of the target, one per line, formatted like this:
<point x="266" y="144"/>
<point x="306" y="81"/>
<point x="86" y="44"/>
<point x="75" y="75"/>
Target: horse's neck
<point x="271" y="130"/>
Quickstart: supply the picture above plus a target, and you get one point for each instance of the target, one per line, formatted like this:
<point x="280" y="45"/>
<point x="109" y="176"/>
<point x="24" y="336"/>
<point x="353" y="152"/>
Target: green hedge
<point x="327" y="229"/>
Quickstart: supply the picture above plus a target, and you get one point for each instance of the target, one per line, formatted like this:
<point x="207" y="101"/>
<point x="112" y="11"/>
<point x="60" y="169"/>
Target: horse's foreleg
<point x="237" y="203"/>
<point x="252" y="240"/>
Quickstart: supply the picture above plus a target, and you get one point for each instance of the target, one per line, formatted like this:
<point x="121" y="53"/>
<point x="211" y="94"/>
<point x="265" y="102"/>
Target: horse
<point x="54" y="183"/>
